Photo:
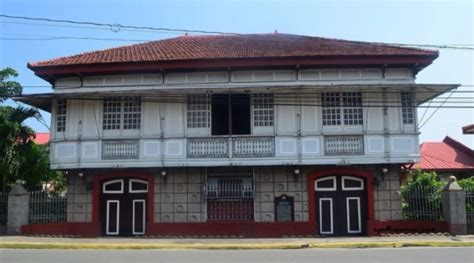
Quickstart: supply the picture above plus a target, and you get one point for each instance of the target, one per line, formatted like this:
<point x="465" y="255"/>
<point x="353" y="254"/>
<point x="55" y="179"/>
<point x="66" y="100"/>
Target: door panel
<point x="342" y="202"/>
<point x="113" y="217"/>
<point x="123" y="207"/>
<point x="138" y="217"/>
<point x="353" y="215"/>
<point x="326" y="218"/>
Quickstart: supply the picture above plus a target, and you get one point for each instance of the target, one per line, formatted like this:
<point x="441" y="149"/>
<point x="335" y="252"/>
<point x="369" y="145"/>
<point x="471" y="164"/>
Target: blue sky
<point x="414" y="22"/>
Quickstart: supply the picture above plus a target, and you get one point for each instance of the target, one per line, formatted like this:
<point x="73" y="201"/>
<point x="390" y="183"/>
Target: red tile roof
<point x="446" y="155"/>
<point x="217" y="47"/>
<point x="41" y="138"/>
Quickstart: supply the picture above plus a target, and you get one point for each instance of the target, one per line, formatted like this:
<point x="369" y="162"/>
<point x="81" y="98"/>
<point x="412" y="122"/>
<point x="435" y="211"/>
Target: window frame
<point x="205" y="127"/>
<point x="60" y="125"/>
<point x="121" y="191"/>
<point x="121" y="104"/>
<point x="407" y="108"/>
<point x="258" y="110"/>
<point x="338" y="107"/>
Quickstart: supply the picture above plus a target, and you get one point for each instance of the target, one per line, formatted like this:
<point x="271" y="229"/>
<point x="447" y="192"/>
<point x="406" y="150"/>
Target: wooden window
<point x="342" y="108"/>
<point x="199" y="111"/>
<point x="262" y="110"/>
<point x="331" y="108"/>
<point x="230" y="199"/>
<point x="61" y="110"/>
<point x="122" y="113"/>
<point x="408" y="111"/>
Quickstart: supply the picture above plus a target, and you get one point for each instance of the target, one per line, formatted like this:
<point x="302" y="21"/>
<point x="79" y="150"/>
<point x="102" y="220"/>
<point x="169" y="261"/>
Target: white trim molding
<point x="321" y="216"/>
<point x="113" y="191"/>
<point x="359" y="229"/>
<point x="107" y="230"/>
<point x="143" y="217"/>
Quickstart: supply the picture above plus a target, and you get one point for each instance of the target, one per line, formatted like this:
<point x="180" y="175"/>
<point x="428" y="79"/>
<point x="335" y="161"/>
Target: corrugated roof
<point x="446" y="155"/>
<point x="214" y="47"/>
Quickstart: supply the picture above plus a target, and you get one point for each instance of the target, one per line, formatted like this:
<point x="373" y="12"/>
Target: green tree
<point x="8" y="87"/>
<point x="13" y="136"/>
<point x="422" y="196"/>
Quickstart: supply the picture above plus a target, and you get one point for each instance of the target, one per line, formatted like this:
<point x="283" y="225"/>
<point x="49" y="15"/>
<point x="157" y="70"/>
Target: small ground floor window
<point x="230" y="199"/>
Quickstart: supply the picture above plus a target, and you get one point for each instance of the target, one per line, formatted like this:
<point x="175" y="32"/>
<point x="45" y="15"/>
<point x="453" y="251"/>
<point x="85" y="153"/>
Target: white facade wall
<point x="298" y="129"/>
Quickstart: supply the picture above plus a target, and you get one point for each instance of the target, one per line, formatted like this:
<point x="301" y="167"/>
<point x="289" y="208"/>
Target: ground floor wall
<point x="178" y="206"/>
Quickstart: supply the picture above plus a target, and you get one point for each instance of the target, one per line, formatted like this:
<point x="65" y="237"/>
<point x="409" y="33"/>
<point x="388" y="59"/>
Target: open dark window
<point x="233" y="107"/>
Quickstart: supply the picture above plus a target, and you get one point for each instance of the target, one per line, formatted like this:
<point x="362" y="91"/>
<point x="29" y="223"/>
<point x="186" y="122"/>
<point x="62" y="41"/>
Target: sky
<point x="402" y="21"/>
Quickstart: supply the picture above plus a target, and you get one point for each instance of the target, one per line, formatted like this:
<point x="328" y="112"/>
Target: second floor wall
<point x="204" y="115"/>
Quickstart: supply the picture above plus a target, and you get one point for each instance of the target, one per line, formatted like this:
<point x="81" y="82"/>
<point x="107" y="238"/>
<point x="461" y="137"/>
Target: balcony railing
<point x="208" y="148"/>
<point x="120" y="149"/>
<point x="343" y="145"/>
<point x="239" y="147"/>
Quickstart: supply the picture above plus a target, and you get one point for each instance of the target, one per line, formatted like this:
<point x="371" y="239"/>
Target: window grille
<point x="230" y="199"/>
<point x="199" y="111"/>
<point x="262" y="110"/>
<point x="61" y="108"/>
<point x="352" y="103"/>
<point x="122" y="112"/>
<point x="407" y="108"/>
<point x="345" y="107"/>
<point x="131" y="113"/>
<point x="331" y="108"/>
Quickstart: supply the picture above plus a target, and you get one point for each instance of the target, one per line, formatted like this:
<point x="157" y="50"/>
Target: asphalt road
<point x="405" y="255"/>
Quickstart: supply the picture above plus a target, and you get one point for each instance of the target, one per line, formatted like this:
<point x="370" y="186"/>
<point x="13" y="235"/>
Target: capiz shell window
<point x="262" y="110"/>
<point x="122" y="113"/>
<point x="407" y="108"/>
<point x="61" y="110"/>
<point x="342" y="108"/>
<point x="199" y="111"/>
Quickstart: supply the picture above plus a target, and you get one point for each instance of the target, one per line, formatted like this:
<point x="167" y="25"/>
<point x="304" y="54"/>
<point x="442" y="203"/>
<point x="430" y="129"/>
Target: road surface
<point x="405" y="255"/>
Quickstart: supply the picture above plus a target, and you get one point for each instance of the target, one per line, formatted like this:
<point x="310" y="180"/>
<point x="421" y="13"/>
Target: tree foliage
<point x="8" y="87"/>
<point x="21" y="158"/>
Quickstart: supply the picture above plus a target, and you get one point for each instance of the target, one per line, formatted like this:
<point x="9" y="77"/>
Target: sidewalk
<point x="241" y="243"/>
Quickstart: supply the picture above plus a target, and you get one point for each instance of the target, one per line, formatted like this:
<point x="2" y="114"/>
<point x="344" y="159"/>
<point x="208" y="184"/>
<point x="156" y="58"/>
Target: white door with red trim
<point x="123" y="207"/>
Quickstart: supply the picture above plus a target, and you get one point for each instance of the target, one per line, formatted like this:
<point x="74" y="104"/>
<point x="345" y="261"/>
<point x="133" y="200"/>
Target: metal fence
<point x="422" y="203"/>
<point x="47" y="207"/>
<point x="3" y="208"/>
<point x="469" y="204"/>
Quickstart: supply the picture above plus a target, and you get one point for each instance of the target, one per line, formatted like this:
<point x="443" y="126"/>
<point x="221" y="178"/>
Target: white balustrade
<point x="344" y="145"/>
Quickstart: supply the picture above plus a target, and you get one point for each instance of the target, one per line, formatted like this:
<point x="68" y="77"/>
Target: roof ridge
<point x="455" y="143"/>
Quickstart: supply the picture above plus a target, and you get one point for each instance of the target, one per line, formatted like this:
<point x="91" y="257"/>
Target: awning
<point x="423" y="92"/>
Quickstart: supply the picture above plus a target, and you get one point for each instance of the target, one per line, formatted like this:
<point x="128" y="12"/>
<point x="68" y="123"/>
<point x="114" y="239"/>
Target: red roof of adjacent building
<point x="224" y="51"/>
<point x="446" y="155"/>
<point x="41" y="138"/>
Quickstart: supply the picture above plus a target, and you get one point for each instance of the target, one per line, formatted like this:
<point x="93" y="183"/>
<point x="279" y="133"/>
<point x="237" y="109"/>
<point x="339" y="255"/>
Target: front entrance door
<point x="341" y="206"/>
<point x="123" y="207"/>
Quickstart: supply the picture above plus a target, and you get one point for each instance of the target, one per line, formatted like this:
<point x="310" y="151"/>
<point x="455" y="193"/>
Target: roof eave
<point x="48" y="72"/>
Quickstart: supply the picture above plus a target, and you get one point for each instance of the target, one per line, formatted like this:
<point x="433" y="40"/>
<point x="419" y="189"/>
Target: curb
<point x="220" y="246"/>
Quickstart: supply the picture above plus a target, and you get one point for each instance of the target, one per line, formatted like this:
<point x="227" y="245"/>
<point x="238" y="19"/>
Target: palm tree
<point x="13" y="134"/>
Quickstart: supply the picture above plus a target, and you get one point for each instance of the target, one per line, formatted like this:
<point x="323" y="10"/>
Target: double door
<point x="123" y="207"/>
<point x="341" y="206"/>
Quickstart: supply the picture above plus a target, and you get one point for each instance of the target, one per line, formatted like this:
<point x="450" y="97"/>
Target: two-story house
<point x="235" y="135"/>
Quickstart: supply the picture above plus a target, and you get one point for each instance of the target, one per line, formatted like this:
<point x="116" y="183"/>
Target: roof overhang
<point x="416" y="62"/>
<point x="423" y="92"/>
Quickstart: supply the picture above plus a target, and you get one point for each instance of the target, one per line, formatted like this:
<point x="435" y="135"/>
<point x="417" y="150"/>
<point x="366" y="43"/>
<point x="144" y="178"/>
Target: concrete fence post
<point x="454" y="207"/>
<point x="18" y="209"/>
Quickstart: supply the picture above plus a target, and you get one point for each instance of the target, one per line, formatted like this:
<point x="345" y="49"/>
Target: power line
<point x="115" y="27"/>
<point x="71" y="38"/>
<point x="86" y="27"/>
